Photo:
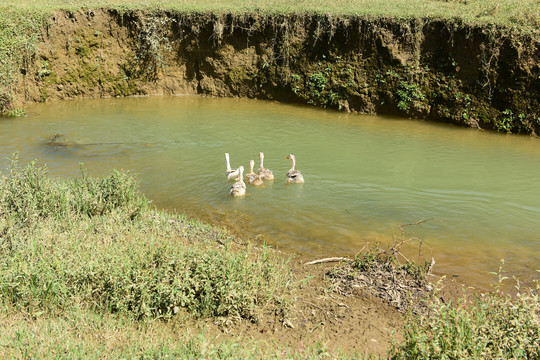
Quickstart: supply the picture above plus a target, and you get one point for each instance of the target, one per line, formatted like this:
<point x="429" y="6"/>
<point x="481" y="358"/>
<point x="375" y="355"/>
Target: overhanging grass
<point x="20" y="32"/>
<point x="96" y="243"/>
<point x="524" y="14"/>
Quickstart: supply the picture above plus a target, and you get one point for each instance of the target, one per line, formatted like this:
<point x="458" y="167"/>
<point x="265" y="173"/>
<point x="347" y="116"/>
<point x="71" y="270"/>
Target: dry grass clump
<point x="394" y="283"/>
<point x="379" y="273"/>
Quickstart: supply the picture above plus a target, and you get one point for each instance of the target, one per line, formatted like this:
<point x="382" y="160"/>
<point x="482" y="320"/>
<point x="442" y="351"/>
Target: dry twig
<point x="332" y="259"/>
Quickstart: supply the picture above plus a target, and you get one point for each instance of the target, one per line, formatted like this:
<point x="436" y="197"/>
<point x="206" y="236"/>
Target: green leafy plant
<point x="507" y="121"/>
<point x="409" y="95"/>
<point x="488" y="326"/>
<point x="317" y="83"/>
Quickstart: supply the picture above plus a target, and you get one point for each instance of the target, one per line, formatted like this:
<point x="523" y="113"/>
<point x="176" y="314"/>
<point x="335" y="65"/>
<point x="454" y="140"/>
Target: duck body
<point x="294" y="176"/>
<point x="252" y="178"/>
<point x="265" y="174"/>
<point x="231" y="174"/>
<point x="239" y="187"/>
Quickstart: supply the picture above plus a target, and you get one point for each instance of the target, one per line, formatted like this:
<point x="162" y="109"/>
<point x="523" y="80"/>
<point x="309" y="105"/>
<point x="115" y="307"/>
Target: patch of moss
<point x="238" y="75"/>
<point x="44" y="93"/>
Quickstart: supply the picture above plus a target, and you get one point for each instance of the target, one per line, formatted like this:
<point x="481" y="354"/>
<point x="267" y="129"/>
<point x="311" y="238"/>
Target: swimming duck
<point x="253" y="178"/>
<point x="231" y="174"/>
<point x="294" y="176"/>
<point x="265" y="174"/>
<point x="239" y="187"/>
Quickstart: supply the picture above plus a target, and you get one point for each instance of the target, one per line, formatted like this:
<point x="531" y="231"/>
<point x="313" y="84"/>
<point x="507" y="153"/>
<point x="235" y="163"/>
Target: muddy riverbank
<point x="441" y="70"/>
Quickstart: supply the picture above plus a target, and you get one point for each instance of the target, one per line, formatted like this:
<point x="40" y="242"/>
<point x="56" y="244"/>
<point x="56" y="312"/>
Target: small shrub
<point x="506" y="123"/>
<point x="491" y="326"/>
<point x="317" y="84"/>
<point x="151" y="48"/>
<point x="409" y="95"/>
<point x="28" y="194"/>
<point x="96" y="196"/>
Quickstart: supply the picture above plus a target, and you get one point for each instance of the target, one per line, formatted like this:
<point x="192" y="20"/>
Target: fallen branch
<point x="394" y="250"/>
<point x="431" y="265"/>
<point x="332" y="259"/>
<point x="417" y="223"/>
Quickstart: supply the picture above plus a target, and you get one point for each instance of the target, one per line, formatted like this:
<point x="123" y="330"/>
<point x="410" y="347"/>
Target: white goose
<point x="253" y="178"/>
<point x="239" y="187"/>
<point x="294" y="176"/>
<point x="231" y="174"/>
<point x="265" y="174"/>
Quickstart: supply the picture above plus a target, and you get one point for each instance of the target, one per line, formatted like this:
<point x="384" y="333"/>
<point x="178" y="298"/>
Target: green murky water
<point x="365" y="175"/>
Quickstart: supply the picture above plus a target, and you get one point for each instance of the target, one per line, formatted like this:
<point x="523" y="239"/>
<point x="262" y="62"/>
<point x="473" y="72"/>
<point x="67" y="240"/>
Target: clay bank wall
<point x="447" y="71"/>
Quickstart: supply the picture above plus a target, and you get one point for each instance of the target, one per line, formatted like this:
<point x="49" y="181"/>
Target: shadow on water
<point x="57" y="143"/>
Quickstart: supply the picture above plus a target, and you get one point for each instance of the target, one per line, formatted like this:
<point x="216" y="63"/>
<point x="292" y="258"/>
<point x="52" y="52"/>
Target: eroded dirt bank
<point x="438" y="70"/>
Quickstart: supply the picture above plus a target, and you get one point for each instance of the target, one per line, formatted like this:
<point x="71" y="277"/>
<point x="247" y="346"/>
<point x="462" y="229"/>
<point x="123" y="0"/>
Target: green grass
<point x="488" y="326"/>
<point x="87" y="335"/>
<point x="96" y="243"/>
<point x="523" y="14"/>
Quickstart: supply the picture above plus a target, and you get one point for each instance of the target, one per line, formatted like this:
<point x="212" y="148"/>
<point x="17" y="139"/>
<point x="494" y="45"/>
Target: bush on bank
<point x="489" y="326"/>
<point x="96" y="243"/>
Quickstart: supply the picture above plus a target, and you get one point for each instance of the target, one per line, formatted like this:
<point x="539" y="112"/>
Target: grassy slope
<point x="88" y="259"/>
<point x="524" y="14"/>
<point x="87" y="335"/>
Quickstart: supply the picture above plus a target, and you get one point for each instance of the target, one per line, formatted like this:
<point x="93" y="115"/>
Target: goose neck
<point x="228" y="161"/>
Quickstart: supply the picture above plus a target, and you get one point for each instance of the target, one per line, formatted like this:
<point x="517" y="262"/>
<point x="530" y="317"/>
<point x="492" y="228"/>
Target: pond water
<point x="365" y="175"/>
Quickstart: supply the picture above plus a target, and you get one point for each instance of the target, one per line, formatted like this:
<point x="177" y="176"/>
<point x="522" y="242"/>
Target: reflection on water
<point x="365" y="175"/>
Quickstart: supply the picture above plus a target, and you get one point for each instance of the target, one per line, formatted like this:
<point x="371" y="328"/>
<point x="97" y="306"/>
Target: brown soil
<point x="358" y="322"/>
<point x="423" y="68"/>
<point x="318" y="314"/>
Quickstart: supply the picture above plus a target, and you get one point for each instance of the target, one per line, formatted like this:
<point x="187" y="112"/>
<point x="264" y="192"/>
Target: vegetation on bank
<point x="478" y="326"/>
<point x="96" y="244"/>
<point x="89" y="269"/>
<point x="524" y="14"/>
<point x="495" y="325"/>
